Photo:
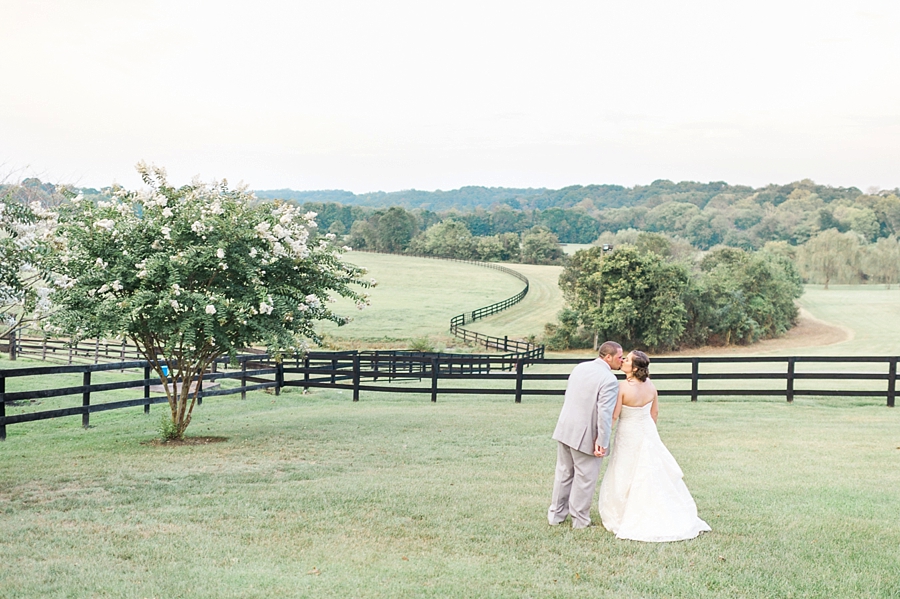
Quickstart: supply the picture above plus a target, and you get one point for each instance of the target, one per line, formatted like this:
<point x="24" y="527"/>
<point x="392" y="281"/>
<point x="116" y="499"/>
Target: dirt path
<point x="809" y="332"/>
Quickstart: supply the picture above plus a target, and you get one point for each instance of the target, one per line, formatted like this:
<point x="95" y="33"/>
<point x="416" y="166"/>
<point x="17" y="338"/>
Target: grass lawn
<point x="315" y="496"/>
<point x="871" y="312"/>
<point x="417" y="297"/>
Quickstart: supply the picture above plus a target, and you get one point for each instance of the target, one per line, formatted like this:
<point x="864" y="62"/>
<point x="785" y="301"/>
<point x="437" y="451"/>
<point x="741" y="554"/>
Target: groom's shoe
<point x="580" y="525"/>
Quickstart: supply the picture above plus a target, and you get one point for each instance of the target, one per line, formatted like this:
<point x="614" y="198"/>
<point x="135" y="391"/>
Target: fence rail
<point x="250" y="371"/>
<point x="62" y="350"/>
<point x="403" y="372"/>
<point x="527" y="349"/>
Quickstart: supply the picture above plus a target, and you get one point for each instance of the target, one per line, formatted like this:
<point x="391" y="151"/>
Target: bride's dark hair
<point x="640" y="364"/>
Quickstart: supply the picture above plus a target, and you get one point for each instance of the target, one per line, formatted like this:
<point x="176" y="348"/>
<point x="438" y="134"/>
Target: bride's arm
<point x="654" y="409"/>
<point x="618" y="407"/>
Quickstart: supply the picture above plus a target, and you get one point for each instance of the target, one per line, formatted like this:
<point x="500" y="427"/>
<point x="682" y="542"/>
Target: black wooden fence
<point x="62" y="350"/>
<point x="446" y="374"/>
<point x="249" y="370"/>
<point x="528" y="350"/>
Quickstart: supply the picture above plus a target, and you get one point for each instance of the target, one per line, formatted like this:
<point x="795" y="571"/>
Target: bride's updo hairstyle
<point x="640" y="364"/>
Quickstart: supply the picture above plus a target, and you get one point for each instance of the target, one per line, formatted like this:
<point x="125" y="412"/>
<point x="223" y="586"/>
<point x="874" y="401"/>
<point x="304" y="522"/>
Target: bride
<point x="642" y="496"/>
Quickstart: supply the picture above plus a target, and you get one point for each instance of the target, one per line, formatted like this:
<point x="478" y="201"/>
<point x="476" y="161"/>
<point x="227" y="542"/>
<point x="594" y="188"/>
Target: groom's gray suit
<point x="585" y="419"/>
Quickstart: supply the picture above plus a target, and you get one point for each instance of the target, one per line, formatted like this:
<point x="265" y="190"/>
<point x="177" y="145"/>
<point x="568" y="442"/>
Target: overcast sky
<point x="395" y="94"/>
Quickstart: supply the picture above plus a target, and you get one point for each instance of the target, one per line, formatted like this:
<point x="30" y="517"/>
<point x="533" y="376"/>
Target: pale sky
<point x="399" y="94"/>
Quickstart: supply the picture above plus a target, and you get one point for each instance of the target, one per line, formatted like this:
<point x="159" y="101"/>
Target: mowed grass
<point x="316" y="496"/>
<point x="417" y="297"/>
<point x="870" y="312"/>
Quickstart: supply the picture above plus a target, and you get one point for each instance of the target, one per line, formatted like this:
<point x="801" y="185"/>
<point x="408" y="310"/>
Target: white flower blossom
<point x="116" y="285"/>
<point x="105" y="224"/>
<point x="176" y="288"/>
<point x="347" y="248"/>
<point x="302" y="307"/>
<point x="265" y="308"/>
<point x="220" y="253"/>
<point x="330" y="236"/>
<point x="65" y="282"/>
<point x="174" y="304"/>
<point x="198" y="227"/>
<point x="167" y="212"/>
<point x="313" y="300"/>
<point x="166" y="233"/>
<point x="253" y="252"/>
<point x="210" y="309"/>
<point x="99" y="263"/>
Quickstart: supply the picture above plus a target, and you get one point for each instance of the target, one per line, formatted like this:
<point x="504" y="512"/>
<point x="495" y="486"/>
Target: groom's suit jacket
<point x="586" y="414"/>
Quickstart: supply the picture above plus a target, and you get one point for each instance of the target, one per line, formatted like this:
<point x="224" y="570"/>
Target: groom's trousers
<point x="573" y="486"/>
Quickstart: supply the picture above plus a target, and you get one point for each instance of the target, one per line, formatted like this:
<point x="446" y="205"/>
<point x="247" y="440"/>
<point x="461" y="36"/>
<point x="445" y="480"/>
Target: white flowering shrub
<point x="195" y="273"/>
<point x="27" y="244"/>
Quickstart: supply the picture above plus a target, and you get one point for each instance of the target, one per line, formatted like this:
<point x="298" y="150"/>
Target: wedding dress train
<point x="642" y="495"/>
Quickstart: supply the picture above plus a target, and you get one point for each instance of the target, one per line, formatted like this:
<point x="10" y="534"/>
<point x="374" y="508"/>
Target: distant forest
<point x="704" y="214"/>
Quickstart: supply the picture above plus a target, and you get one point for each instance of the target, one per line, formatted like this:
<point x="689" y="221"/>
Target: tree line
<point x="705" y="214"/>
<point x="659" y="295"/>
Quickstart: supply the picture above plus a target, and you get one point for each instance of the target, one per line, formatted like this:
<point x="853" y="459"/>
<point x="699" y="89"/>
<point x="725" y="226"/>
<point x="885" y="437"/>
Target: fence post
<point x="279" y="376"/>
<point x="97" y="351"/>
<point x="356" y="376"/>
<point x="892" y="382"/>
<point x="44" y="349"/>
<point x="520" y="368"/>
<point x="333" y="369"/>
<point x="12" y="345"/>
<point x="2" y="408"/>
<point x="86" y="399"/>
<point x="790" y="380"/>
<point x="695" y="378"/>
<point x="244" y="379"/>
<point x="435" y="366"/>
<point x="306" y="373"/>
<point x="147" y="389"/>
<point x="505" y="343"/>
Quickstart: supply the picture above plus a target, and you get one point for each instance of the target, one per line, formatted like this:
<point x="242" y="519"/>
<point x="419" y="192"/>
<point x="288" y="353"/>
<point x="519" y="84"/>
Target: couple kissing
<point x="642" y="496"/>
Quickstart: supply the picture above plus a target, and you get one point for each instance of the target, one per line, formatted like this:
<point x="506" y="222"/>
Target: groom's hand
<point x="599" y="452"/>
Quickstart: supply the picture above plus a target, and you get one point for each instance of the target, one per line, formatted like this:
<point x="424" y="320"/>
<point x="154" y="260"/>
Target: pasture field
<point x="869" y="313"/>
<point x="316" y="496"/>
<point x="417" y="297"/>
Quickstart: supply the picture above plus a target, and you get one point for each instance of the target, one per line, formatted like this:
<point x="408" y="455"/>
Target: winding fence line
<point x="525" y="348"/>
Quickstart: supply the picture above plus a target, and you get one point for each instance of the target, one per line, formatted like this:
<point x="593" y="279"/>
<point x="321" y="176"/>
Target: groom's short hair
<point x="609" y="348"/>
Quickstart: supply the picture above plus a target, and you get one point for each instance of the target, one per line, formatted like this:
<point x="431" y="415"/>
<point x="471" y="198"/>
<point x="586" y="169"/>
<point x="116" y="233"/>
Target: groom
<point x="582" y="433"/>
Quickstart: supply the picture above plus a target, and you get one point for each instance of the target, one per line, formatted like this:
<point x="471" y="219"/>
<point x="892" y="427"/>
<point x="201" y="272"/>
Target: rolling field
<point x="870" y="314"/>
<point x="311" y="495"/>
<point x="417" y="297"/>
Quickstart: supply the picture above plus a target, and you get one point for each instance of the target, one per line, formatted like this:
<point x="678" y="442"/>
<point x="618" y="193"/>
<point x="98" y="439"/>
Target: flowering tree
<point x="195" y="273"/>
<point x="27" y="242"/>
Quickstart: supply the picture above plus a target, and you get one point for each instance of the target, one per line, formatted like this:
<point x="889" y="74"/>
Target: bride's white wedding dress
<point x="643" y="496"/>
